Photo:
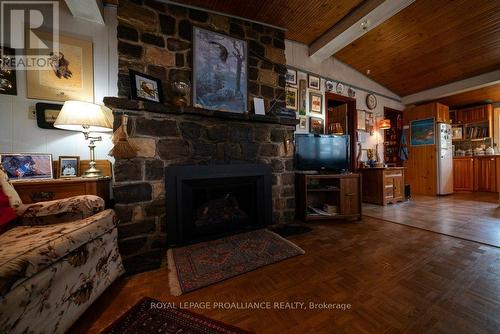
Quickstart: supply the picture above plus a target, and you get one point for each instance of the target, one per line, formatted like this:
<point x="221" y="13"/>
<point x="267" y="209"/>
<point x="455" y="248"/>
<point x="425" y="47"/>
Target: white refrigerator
<point x="444" y="159"/>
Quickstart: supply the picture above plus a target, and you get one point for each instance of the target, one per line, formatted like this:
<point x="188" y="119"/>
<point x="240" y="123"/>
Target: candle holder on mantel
<point x="180" y="91"/>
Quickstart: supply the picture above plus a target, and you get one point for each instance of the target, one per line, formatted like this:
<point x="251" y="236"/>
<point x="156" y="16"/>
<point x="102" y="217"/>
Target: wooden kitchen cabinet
<point x="485" y="174"/>
<point x="383" y="185"/>
<point x="350" y="200"/>
<point x="463" y="174"/>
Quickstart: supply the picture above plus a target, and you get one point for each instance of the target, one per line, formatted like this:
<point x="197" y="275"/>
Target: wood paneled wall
<point x="421" y="172"/>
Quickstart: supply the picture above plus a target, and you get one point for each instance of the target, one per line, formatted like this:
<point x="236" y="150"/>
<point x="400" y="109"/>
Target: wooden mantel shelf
<point x="117" y="104"/>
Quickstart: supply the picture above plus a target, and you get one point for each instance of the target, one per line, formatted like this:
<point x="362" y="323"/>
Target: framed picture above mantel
<point x="219" y="71"/>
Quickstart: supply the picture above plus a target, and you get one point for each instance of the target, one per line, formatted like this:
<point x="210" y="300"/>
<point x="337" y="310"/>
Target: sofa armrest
<point x="60" y="211"/>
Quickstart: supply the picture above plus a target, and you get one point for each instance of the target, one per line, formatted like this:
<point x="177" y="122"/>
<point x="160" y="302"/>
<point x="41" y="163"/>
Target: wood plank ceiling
<point x="489" y="94"/>
<point x="429" y="44"/>
<point x="304" y="20"/>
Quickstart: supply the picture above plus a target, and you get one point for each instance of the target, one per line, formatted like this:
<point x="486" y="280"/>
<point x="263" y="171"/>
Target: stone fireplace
<point x="156" y="38"/>
<point x="206" y="202"/>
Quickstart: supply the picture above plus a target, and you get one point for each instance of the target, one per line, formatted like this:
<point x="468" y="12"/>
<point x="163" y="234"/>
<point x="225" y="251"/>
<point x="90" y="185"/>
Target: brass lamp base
<point x="92" y="172"/>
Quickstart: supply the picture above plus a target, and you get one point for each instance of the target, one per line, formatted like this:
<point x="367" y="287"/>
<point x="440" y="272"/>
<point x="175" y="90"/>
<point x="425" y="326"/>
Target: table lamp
<point x="85" y="117"/>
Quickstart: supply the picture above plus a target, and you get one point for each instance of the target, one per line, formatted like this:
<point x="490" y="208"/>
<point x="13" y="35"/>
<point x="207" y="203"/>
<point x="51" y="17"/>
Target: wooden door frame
<point x="352" y="123"/>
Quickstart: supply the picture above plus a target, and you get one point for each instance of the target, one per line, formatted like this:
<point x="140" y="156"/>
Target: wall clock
<point x="371" y="101"/>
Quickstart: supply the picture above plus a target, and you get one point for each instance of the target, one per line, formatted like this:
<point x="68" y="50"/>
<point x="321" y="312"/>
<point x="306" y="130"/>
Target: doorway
<point x="341" y="118"/>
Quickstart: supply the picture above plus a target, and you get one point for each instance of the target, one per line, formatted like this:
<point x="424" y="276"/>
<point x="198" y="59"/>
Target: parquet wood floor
<point x="398" y="280"/>
<point x="471" y="216"/>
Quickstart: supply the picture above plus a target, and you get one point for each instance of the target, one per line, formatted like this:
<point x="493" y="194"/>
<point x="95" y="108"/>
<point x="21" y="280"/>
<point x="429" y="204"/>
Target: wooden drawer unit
<point x="48" y="190"/>
<point x="383" y="185"/>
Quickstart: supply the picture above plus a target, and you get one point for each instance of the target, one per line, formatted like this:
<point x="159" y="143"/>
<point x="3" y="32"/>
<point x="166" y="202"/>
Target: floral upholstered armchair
<point x="51" y="212"/>
<point x="55" y="261"/>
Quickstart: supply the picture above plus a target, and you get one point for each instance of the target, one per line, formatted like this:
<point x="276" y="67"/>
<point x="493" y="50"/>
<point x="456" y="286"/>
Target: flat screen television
<point x="322" y="152"/>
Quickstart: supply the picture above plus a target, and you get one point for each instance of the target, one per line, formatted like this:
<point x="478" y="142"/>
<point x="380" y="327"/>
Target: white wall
<point x="19" y="133"/>
<point x="297" y="56"/>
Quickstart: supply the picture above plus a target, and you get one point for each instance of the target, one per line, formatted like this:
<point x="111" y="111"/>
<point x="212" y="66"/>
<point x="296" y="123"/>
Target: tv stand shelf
<point x="327" y="196"/>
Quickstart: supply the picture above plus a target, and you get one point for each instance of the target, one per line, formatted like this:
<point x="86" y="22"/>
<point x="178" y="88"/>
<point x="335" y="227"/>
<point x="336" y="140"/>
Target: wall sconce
<point x="384" y="124"/>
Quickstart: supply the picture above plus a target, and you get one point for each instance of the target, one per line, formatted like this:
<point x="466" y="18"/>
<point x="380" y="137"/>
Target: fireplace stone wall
<point x="156" y="38"/>
<point x="190" y="138"/>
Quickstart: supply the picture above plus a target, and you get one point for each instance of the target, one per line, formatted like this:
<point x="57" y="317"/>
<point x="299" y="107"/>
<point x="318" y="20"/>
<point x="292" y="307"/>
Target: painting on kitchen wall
<point x="316" y="125"/>
<point x="291" y="98"/>
<point x="315" y="103"/>
<point x="219" y="71"/>
<point x="69" y="75"/>
<point x="8" y="84"/>
<point x="422" y="132"/>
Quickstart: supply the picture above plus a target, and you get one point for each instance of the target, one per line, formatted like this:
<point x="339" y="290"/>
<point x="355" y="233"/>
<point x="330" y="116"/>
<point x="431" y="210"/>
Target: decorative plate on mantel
<point x="340" y="88"/>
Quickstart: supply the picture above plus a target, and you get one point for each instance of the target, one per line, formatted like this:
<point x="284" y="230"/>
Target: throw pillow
<point x="7" y="214"/>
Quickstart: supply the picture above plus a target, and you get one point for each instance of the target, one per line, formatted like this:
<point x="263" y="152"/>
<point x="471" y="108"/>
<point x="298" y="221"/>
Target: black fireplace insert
<point x="208" y="202"/>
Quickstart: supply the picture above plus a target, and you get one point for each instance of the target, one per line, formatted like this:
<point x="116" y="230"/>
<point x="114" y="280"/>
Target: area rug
<point x="199" y="265"/>
<point x="146" y="317"/>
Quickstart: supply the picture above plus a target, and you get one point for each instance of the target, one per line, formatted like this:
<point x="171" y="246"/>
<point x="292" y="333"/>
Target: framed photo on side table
<point x="69" y="166"/>
<point x="27" y="166"/>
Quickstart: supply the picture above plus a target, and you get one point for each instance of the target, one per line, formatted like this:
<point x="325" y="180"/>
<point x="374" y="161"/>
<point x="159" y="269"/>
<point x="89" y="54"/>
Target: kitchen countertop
<point x="477" y="156"/>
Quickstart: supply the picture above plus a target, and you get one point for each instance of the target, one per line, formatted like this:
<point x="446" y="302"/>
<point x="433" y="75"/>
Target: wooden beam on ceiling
<point x="363" y="19"/>
<point x="90" y="10"/>
<point x="457" y="87"/>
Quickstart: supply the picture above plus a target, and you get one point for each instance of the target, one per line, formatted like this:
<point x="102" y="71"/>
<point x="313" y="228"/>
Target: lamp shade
<point x="336" y="129"/>
<point x="384" y="124"/>
<point x="79" y="116"/>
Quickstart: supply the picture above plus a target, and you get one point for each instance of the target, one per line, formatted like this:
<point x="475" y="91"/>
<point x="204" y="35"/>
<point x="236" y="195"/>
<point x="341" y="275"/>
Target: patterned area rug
<point x="142" y="318"/>
<point x="199" y="265"/>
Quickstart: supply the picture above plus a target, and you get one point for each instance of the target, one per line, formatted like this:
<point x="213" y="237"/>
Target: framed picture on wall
<point x="291" y="77"/>
<point x="316" y="125"/>
<point x="422" y="132"/>
<point x="26" y="166"/>
<point x="302" y="123"/>
<point x="46" y="114"/>
<point x="69" y="75"/>
<point x="315" y="103"/>
<point x="313" y="82"/>
<point x="8" y="82"/>
<point x="291" y="98"/>
<point x="69" y="166"/>
<point x="219" y="71"/>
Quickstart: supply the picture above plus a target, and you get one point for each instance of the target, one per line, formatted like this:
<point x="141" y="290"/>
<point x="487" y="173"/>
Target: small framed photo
<point x="145" y="87"/>
<point x="69" y="166"/>
<point x="46" y="114"/>
<point x="313" y="82"/>
<point x="315" y="103"/>
<point x="302" y="122"/>
<point x="291" y="77"/>
<point x="316" y="125"/>
<point x="457" y="133"/>
<point x="8" y="84"/>
<point x="27" y="166"/>
<point x="291" y="98"/>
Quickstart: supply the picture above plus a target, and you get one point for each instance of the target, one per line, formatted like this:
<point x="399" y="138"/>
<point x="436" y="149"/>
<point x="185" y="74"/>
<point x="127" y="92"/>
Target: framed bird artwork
<point x="63" y="74"/>
<point x="145" y="87"/>
<point x="219" y="71"/>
